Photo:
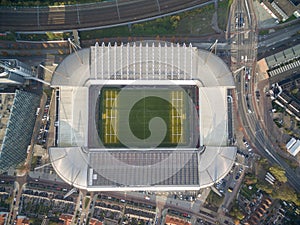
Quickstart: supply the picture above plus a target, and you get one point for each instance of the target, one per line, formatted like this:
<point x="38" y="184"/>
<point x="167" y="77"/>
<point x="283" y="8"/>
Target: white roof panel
<point x="213" y="115"/>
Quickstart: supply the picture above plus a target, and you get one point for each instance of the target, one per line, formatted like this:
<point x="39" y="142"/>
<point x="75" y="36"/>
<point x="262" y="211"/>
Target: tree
<point x="279" y="173"/>
<point x="285" y="193"/>
<point x="9" y="200"/>
<point x="236" y="213"/>
<point x="4" y="2"/>
<point x="37" y="3"/>
<point x="264" y="163"/>
<point x="250" y="179"/>
<point x="175" y="21"/>
<point x="53" y="223"/>
<point x="236" y="222"/>
<point x="239" y="215"/>
<point x="265" y="187"/>
<point x="295" y="91"/>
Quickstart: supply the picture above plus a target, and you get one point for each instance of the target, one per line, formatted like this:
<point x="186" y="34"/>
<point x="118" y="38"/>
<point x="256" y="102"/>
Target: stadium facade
<point x="81" y="158"/>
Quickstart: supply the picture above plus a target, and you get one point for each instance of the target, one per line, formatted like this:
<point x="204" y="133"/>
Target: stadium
<point x="142" y="116"/>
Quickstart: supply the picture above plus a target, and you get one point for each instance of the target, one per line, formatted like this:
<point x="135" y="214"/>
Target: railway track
<point x="86" y="16"/>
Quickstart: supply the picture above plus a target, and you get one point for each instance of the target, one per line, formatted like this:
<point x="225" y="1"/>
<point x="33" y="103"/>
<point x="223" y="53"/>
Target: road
<point x="273" y="38"/>
<point x="166" y="203"/>
<point x="246" y="46"/>
<point x="85" y="16"/>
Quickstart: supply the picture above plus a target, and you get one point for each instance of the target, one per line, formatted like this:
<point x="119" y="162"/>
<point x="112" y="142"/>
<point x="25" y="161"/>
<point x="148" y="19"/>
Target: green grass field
<point x="172" y="112"/>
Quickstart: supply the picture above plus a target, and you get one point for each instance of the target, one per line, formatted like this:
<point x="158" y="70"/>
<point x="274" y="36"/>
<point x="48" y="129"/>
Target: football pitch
<point x="172" y="109"/>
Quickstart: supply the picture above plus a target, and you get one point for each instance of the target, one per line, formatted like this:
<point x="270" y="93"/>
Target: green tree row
<point x="280" y="190"/>
<point x="283" y="192"/>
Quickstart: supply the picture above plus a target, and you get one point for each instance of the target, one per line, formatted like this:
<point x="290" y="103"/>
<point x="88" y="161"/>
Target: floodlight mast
<point x="42" y="166"/>
<point x="45" y="68"/>
<point x="47" y="164"/>
<point x="214" y="46"/>
<point x="75" y="49"/>
<point x="74" y="189"/>
<point x="238" y="70"/>
<point x="73" y="44"/>
<point x="216" y="191"/>
<point x="76" y="38"/>
<point x="235" y="73"/>
<point x="37" y="79"/>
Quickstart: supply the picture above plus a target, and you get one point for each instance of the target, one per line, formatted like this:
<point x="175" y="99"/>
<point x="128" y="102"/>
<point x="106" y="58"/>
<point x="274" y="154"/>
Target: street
<point x="245" y="52"/>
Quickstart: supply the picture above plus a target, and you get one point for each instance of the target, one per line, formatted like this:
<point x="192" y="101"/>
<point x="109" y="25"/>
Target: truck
<point x="37" y="111"/>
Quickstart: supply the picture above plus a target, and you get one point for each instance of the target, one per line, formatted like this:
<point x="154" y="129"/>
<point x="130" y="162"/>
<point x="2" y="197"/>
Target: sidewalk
<point x="263" y="107"/>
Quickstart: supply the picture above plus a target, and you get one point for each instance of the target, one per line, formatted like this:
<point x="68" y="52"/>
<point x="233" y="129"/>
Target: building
<point x="3" y="217"/>
<point x="293" y="146"/>
<point x="15" y="73"/>
<point x="22" y="220"/>
<point x="279" y="10"/>
<point x="176" y="221"/>
<point x="283" y="9"/>
<point x="66" y="218"/>
<point x="94" y="221"/>
<point x="97" y="89"/>
<point x="15" y="133"/>
<point x="286" y="61"/>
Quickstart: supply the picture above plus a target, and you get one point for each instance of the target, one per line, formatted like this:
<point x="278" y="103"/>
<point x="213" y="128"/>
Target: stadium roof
<point x="82" y="161"/>
<point x="142" y="61"/>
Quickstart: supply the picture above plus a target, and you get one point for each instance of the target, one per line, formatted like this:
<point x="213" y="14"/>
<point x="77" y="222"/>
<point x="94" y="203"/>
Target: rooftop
<point x="283" y="56"/>
<point x="18" y="134"/>
<point x="295" y="148"/>
<point x="6" y="102"/>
